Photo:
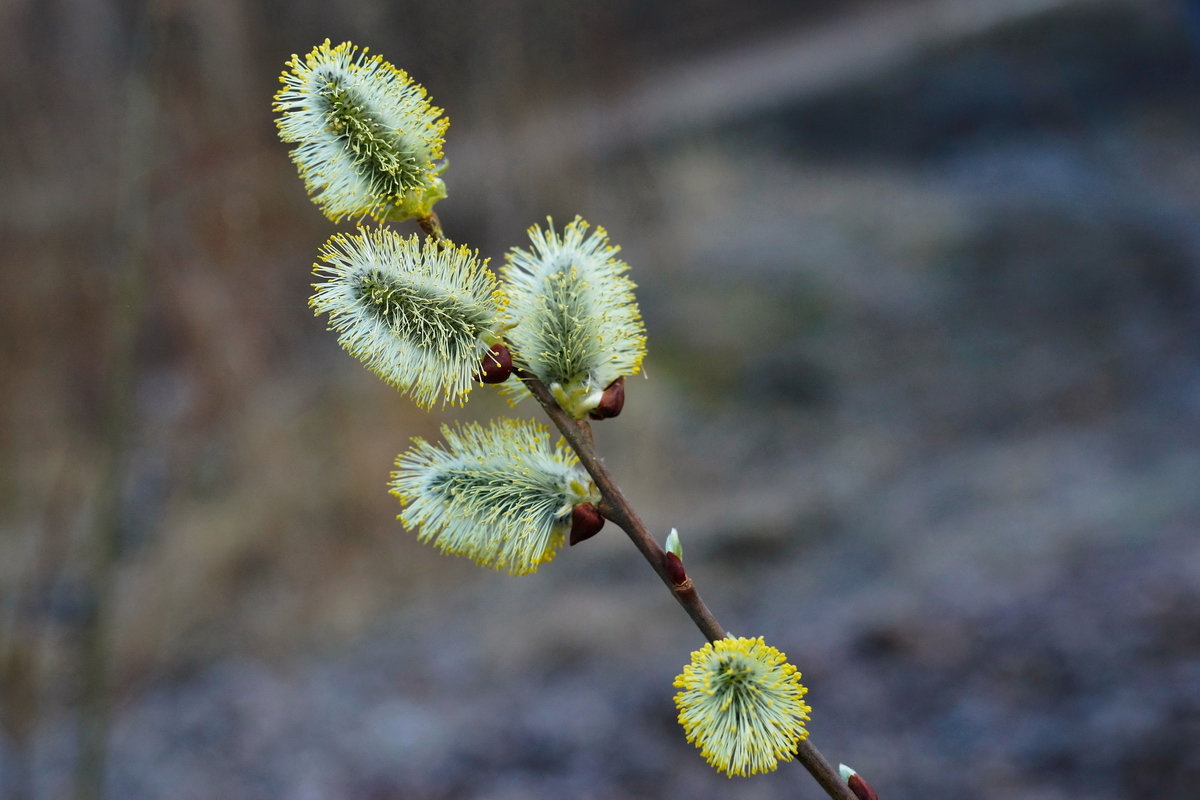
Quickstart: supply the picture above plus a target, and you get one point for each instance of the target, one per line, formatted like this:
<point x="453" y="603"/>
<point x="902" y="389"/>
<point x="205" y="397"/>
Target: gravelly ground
<point x="1079" y="677"/>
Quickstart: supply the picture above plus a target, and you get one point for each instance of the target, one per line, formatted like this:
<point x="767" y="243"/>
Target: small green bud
<point x="576" y="400"/>
<point x="861" y="789"/>
<point x="673" y="545"/>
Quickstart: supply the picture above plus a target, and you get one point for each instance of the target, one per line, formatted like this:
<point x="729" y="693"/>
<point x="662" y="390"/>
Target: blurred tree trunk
<point x="128" y="277"/>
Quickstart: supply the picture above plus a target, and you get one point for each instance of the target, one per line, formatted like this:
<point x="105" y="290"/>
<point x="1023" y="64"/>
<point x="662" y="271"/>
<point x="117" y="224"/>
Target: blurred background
<point x="922" y="286"/>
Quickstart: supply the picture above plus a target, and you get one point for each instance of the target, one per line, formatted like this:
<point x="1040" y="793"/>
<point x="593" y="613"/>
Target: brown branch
<point x="615" y="507"/>
<point x="822" y="771"/>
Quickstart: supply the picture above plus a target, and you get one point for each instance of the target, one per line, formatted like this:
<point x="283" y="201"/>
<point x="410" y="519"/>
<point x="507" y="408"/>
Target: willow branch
<point x="615" y="507"/>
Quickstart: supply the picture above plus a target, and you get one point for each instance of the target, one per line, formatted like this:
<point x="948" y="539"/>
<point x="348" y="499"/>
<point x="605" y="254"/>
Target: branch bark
<point x="615" y="507"/>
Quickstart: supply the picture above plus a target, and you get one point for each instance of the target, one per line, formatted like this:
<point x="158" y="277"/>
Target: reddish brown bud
<point x="675" y="570"/>
<point x="496" y="365"/>
<point x="611" y="402"/>
<point x="862" y="790"/>
<point x="586" y="522"/>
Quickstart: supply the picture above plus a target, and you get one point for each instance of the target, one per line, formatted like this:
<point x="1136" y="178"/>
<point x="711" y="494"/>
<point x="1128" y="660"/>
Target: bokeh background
<point x="922" y="286"/>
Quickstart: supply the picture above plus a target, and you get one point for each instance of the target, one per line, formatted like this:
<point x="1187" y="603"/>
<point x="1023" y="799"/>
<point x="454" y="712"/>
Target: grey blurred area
<point x="922" y="286"/>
